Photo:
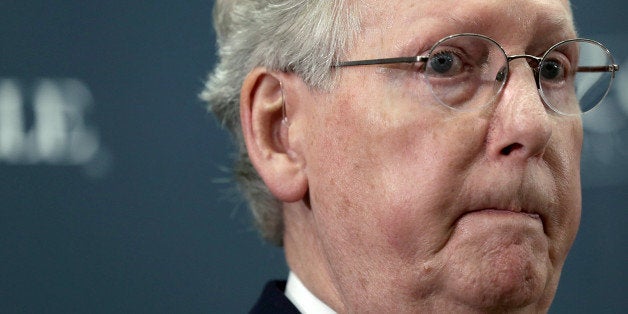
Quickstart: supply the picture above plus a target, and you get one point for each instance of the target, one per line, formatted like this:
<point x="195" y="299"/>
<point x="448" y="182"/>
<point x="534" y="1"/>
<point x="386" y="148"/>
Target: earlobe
<point x="266" y="135"/>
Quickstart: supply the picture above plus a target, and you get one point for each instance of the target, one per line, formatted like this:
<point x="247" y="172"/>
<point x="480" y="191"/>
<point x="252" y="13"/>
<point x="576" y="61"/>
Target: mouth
<point x="526" y="203"/>
<point x="499" y="211"/>
<point x="499" y="216"/>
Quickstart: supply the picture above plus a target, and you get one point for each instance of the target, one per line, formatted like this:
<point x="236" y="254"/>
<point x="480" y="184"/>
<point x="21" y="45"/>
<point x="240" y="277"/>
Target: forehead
<point x="501" y="19"/>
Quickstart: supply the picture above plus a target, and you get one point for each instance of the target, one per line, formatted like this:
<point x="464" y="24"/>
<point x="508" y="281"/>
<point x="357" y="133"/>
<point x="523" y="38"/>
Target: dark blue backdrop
<point x="114" y="193"/>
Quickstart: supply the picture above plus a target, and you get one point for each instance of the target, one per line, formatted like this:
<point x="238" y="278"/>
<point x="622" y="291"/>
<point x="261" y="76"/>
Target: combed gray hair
<point x="305" y="37"/>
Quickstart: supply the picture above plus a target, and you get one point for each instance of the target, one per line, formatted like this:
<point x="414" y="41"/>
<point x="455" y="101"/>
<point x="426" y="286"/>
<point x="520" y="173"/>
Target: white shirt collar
<point x="303" y="299"/>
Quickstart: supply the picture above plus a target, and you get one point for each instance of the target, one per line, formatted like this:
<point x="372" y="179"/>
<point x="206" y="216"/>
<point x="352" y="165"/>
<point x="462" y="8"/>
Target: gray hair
<point x="305" y="37"/>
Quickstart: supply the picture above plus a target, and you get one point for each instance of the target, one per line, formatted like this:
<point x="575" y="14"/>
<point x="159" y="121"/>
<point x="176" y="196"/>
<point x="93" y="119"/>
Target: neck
<point x="305" y="257"/>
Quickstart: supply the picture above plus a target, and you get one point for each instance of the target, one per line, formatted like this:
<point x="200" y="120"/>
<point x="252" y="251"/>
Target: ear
<point x="266" y="136"/>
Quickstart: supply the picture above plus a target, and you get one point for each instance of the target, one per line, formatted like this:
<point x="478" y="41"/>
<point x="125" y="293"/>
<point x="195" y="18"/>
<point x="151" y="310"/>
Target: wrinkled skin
<point x="402" y="205"/>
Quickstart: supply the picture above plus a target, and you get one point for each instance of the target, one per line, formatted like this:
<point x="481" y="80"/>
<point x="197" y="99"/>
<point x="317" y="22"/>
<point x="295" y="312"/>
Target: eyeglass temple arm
<point x="381" y="61"/>
<point x="602" y="68"/>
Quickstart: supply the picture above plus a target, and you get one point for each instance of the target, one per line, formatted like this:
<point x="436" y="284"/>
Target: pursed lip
<point x="525" y="197"/>
<point x="521" y="212"/>
<point x="524" y="212"/>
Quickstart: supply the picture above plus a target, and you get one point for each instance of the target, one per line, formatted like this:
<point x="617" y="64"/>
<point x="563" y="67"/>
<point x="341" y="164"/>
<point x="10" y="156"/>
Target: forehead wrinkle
<point x="494" y="18"/>
<point x="485" y="16"/>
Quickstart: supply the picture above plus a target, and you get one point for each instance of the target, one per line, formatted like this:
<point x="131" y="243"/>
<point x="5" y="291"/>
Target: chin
<point x="519" y="286"/>
<point x="514" y="287"/>
<point x="505" y="271"/>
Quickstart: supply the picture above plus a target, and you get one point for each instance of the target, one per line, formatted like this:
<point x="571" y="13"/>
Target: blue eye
<point x="551" y="69"/>
<point x="444" y="63"/>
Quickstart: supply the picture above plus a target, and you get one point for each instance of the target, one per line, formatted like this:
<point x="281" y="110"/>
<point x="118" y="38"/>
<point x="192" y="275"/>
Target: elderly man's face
<point x="412" y="200"/>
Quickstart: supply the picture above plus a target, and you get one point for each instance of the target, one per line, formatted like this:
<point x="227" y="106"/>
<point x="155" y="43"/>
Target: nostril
<point x="508" y="149"/>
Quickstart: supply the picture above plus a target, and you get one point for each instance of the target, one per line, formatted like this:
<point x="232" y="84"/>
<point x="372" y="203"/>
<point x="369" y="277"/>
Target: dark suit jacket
<point x="273" y="300"/>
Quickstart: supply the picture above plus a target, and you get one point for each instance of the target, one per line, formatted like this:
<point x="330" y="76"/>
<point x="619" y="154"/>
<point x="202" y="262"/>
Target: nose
<point x="520" y="126"/>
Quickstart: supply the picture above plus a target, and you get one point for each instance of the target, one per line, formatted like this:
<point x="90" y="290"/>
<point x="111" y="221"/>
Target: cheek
<point x="388" y="174"/>
<point x="424" y="183"/>
<point x="567" y="174"/>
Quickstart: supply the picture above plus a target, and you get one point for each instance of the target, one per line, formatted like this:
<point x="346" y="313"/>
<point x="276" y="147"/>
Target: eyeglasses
<point x="468" y="71"/>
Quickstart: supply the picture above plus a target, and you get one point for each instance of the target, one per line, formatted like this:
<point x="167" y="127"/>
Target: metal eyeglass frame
<point x="612" y="68"/>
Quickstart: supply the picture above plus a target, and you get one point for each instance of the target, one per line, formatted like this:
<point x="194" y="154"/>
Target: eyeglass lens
<point x="466" y="72"/>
